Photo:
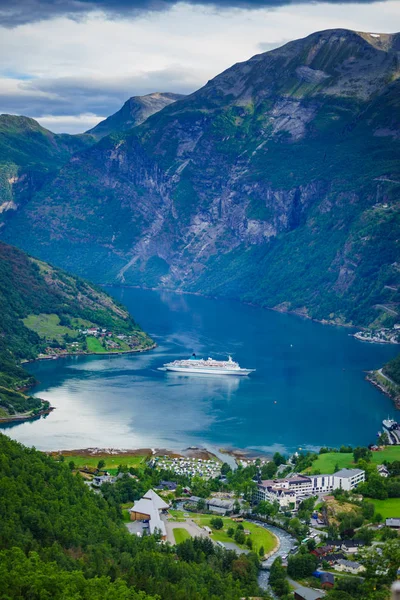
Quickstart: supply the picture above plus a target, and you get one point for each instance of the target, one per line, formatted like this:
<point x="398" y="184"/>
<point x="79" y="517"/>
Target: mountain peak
<point x="337" y="62"/>
<point x="134" y="112"/>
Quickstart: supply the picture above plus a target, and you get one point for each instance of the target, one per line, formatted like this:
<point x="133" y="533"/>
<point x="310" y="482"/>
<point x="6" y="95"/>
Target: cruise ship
<point x="207" y="367"/>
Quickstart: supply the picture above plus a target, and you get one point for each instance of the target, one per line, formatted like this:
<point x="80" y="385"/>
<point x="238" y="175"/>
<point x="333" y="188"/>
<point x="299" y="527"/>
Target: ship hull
<point x="205" y="371"/>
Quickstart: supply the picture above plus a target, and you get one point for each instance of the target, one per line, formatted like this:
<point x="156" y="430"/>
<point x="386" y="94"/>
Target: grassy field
<point x="387" y="508"/>
<point x="177" y="516"/>
<point x="112" y="461"/>
<point x="95" y="345"/>
<point x="180" y="535"/>
<point x="48" y="326"/>
<point x="259" y="535"/>
<point x="326" y="463"/>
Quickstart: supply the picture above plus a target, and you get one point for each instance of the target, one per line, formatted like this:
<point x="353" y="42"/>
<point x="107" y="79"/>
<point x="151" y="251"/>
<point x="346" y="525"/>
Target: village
<point x="383" y="335"/>
<point x="317" y="528"/>
<point x="93" y="340"/>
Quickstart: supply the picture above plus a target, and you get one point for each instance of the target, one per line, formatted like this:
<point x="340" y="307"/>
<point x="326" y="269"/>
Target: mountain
<point x="276" y="183"/>
<point x="28" y="154"/>
<point x="42" y="307"/>
<point x="134" y="112"/>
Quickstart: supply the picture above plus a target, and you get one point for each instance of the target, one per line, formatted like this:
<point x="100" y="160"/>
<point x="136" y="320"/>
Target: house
<point x="220" y="507"/>
<point x="100" y="479"/>
<point x="393" y="523"/>
<point x="303" y="593"/>
<point x="349" y="566"/>
<point x="334" y="557"/>
<point x="382" y="470"/>
<point x="322" y="551"/>
<point x="150" y="508"/>
<point x="168" y="485"/>
<point x="336" y="544"/>
<point x="327" y="580"/>
<point x="351" y="546"/>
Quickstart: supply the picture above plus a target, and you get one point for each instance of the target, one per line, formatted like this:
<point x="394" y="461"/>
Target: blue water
<point x="308" y="390"/>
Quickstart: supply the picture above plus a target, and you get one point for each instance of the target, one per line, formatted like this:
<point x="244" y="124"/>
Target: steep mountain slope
<point x="28" y="153"/>
<point x="277" y="183"/>
<point x="134" y="112"/>
<point x="30" y="289"/>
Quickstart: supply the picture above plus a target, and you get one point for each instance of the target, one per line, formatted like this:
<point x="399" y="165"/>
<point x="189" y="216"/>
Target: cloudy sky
<point x="70" y="63"/>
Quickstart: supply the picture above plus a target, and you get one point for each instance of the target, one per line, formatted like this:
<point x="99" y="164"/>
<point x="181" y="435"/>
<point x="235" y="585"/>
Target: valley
<point x="255" y="217"/>
<point x="276" y="184"/>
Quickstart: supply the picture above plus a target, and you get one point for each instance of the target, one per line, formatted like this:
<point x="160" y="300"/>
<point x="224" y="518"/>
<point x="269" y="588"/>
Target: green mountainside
<point x="29" y="154"/>
<point x="60" y="540"/>
<point x="41" y="306"/>
<point x="134" y="112"/>
<point x="392" y="370"/>
<point x="278" y="183"/>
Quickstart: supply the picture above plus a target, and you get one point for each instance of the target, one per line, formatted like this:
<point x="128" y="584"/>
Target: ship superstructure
<point x="207" y="367"/>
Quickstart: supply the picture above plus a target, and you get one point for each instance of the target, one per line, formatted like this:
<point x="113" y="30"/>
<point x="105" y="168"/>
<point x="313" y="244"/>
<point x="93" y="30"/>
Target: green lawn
<point x="326" y="463"/>
<point x="95" y="345"/>
<point x="177" y="516"/>
<point x="387" y="508"/>
<point x="180" y="535"/>
<point x="112" y="461"/>
<point x="390" y="453"/>
<point x="259" y="535"/>
<point x="48" y="326"/>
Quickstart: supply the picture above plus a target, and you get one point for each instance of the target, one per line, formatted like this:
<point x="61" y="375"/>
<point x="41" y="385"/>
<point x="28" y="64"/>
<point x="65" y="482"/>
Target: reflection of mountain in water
<point x="11" y="424"/>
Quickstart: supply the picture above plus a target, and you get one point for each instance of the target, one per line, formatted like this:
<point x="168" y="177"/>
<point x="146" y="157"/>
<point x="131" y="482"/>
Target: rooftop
<point x="349" y="563"/>
<point x="151" y="504"/>
<point x="348" y="473"/>
<point x="394" y="522"/>
<point x="309" y="593"/>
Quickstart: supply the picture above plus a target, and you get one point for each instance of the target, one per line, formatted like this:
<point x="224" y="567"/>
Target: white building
<point x="150" y="508"/>
<point x="290" y="491"/>
<point x="349" y="566"/>
<point x="348" y="479"/>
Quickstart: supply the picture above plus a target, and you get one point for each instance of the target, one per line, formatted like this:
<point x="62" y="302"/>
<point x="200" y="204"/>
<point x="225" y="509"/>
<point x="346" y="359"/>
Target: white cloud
<point x="92" y="66"/>
<point x="69" y="123"/>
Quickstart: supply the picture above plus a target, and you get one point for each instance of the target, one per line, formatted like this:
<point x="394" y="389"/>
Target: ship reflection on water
<point x="209" y="383"/>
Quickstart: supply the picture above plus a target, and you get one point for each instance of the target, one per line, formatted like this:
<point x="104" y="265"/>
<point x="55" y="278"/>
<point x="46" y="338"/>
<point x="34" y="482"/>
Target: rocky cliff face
<point x="278" y="182"/>
<point x="134" y="112"/>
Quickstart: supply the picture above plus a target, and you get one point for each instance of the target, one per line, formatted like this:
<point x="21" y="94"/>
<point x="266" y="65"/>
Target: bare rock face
<point x="277" y="183"/>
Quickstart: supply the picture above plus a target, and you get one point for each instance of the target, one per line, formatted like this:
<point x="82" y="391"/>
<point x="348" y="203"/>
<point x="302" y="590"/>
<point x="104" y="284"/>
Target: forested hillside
<point x="59" y="540"/>
<point x="277" y="183"/>
<point x="392" y="370"/>
<point x="34" y="294"/>
<point x="29" y="154"/>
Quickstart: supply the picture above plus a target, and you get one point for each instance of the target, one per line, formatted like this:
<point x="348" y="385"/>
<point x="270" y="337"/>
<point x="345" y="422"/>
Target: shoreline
<point x="190" y="452"/>
<point x="70" y="354"/>
<point x="294" y="312"/>
<point x="371" y="378"/>
<point x="21" y="418"/>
